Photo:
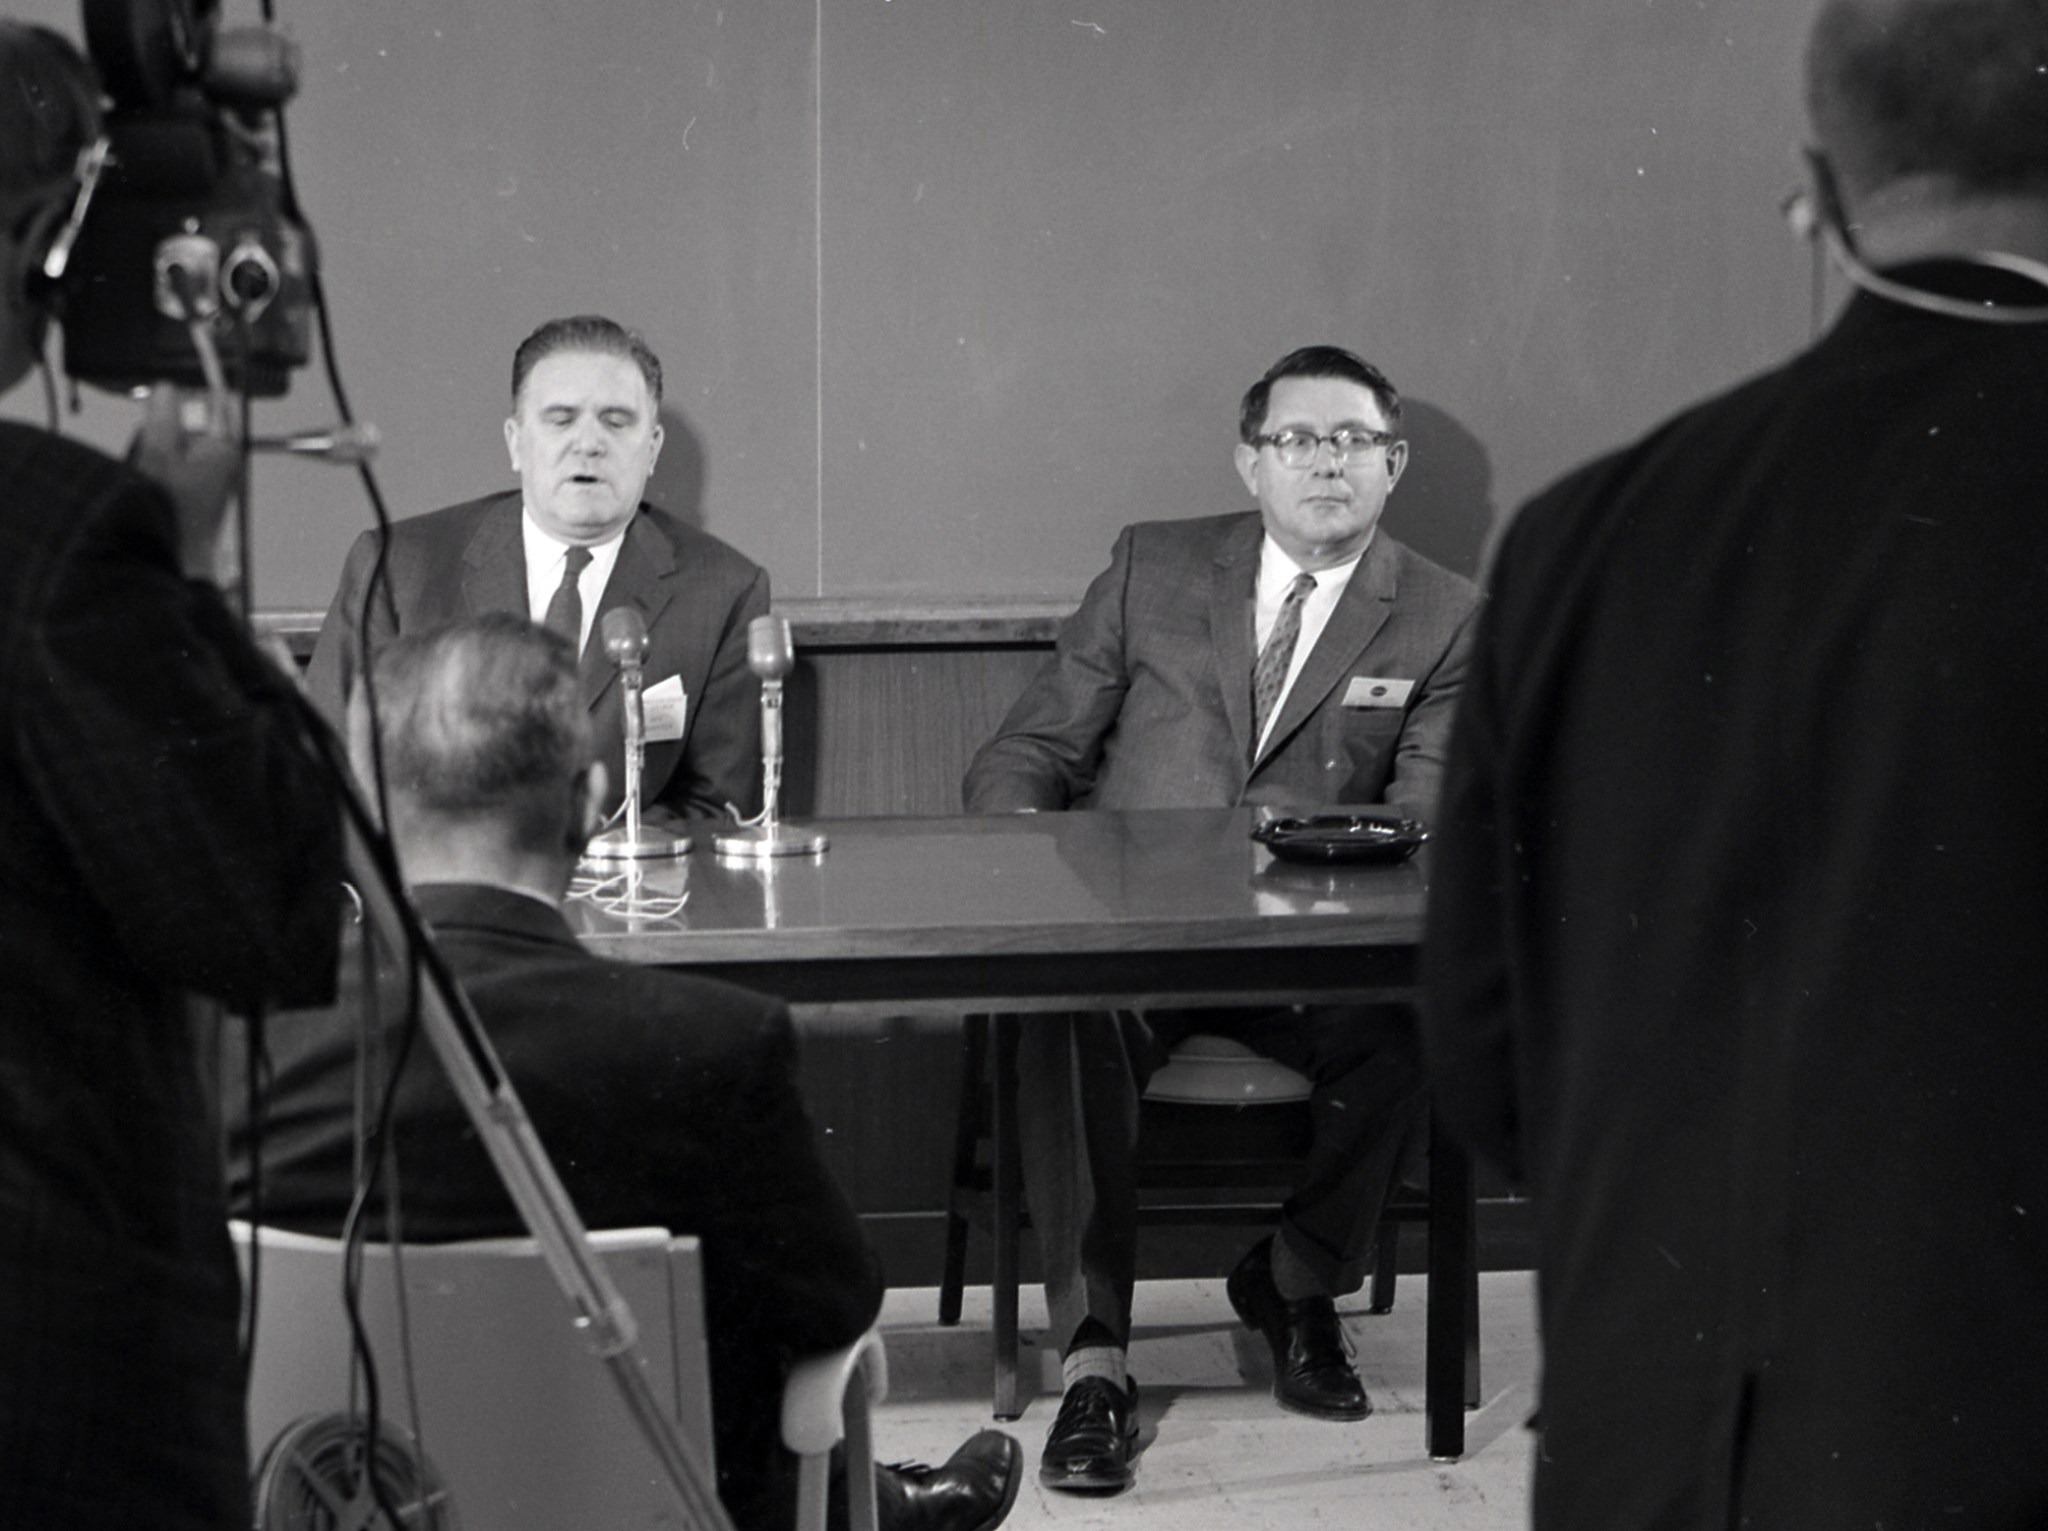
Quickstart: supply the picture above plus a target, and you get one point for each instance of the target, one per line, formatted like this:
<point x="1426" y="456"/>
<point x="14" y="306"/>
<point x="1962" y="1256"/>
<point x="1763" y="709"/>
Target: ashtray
<point x="1348" y="839"/>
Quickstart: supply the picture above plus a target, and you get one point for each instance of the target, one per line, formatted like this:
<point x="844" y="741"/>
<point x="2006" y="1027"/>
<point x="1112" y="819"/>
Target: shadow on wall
<point x="677" y="482"/>
<point x="1444" y="506"/>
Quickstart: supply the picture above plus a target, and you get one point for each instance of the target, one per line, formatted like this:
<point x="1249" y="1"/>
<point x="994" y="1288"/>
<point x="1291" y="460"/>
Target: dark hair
<point x="49" y="111"/>
<point x="1947" y="87"/>
<point x="483" y="719"/>
<point x="1317" y="361"/>
<point x="585" y="332"/>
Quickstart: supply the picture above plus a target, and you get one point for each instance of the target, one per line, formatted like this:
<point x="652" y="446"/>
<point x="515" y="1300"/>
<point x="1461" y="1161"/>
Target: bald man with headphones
<point x="168" y="833"/>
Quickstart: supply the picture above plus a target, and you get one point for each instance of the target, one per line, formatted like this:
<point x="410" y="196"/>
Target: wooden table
<point x="1057" y="911"/>
<point x="1028" y="912"/>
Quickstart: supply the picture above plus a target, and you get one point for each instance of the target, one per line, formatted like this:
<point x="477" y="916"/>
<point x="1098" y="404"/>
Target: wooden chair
<point x="1197" y="1165"/>
<point x="519" y="1424"/>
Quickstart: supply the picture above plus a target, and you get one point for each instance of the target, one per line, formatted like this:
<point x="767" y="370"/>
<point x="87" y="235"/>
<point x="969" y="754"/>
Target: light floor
<point x="1215" y="1450"/>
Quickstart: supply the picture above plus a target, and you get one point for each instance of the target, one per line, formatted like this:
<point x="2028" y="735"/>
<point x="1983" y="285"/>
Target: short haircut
<point x="1955" y="88"/>
<point x="1317" y="361"/>
<point x="49" y="112"/>
<point x="585" y="332"/>
<point x="483" y="720"/>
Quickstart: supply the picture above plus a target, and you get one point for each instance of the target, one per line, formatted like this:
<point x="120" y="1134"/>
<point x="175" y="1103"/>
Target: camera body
<point x="192" y="219"/>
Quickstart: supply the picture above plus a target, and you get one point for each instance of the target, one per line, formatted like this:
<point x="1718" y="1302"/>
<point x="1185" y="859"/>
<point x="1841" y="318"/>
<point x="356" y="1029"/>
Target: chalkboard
<point x="948" y="290"/>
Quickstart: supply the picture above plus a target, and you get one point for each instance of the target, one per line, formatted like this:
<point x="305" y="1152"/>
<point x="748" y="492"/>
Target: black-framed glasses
<point x="1297" y="449"/>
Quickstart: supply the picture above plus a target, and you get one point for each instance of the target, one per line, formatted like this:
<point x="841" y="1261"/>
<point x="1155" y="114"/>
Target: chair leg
<point x="1451" y="1349"/>
<point x="1006" y="1177"/>
<point x="859" y="1456"/>
<point x="967" y="1125"/>
<point x="812" y="1487"/>
<point x="1386" y="1263"/>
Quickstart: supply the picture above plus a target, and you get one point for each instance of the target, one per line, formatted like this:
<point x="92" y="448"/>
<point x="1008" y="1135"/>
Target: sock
<point x="1093" y="1352"/>
<point x="1104" y="1361"/>
<point x="1292" y="1278"/>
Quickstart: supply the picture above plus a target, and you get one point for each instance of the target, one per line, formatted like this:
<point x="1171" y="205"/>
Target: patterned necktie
<point x="565" y="606"/>
<point x="1269" y="675"/>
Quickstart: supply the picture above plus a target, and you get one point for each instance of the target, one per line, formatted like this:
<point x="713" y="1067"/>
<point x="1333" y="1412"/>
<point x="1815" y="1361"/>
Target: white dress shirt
<point x="1276" y="572"/>
<point x="545" y="556"/>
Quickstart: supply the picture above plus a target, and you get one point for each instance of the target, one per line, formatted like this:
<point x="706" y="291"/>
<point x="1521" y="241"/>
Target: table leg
<point x="1005" y="1176"/>
<point x="1452" y="1356"/>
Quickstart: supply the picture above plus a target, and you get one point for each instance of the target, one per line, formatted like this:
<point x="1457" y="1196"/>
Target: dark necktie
<point x="565" y="606"/>
<point x="1269" y="675"/>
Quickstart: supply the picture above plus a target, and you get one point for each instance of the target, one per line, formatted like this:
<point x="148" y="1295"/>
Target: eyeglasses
<point x="1297" y="449"/>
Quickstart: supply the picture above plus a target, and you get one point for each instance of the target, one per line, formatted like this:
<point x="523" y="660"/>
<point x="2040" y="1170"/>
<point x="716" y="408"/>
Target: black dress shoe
<point x="1311" y="1370"/>
<point x="1089" y="1445"/>
<point x="972" y="1490"/>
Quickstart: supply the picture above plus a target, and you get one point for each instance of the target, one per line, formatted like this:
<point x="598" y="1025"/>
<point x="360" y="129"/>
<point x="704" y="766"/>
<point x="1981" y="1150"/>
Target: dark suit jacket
<point x="165" y="829"/>
<point x="1147" y="701"/>
<point x="696" y="594"/>
<point x="663" y="1099"/>
<point x="1739" y="940"/>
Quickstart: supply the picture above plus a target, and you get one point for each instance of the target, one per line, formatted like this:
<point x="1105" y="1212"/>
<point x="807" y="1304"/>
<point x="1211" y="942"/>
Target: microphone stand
<point x="768" y="656"/>
<point x="625" y="639"/>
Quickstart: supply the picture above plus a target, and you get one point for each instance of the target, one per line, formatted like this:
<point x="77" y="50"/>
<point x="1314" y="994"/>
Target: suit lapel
<point x="1360" y="613"/>
<point x="494" y="563"/>
<point x="1230" y="626"/>
<point x="641" y="578"/>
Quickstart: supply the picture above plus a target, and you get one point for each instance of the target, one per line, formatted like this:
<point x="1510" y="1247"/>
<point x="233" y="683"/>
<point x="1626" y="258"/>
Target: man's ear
<point x="588" y="817"/>
<point x="512" y="442"/>
<point x="1397" y="463"/>
<point x="356" y="732"/>
<point x="1246" y="457"/>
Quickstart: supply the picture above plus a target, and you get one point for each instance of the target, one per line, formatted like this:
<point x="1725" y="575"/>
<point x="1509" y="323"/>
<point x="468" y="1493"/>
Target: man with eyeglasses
<point x="1293" y="656"/>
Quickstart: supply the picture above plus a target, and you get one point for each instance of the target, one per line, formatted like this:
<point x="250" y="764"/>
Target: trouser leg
<point x="1078" y="1077"/>
<point x="1365" y="1068"/>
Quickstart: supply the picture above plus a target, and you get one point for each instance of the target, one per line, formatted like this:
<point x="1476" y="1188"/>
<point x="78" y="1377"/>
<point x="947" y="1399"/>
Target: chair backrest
<point x="1204" y="1070"/>
<point x="521" y="1421"/>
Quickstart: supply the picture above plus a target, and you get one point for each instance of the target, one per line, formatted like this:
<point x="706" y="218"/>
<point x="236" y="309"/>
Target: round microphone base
<point x="617" y="845"/>
<point x="764" y="840"/>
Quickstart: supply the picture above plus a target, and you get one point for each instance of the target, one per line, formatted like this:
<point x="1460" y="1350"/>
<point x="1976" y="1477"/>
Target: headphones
<point x="1819" y="214"/>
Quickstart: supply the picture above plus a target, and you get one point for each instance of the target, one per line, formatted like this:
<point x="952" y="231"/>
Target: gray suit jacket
<point x="696" y="594"/>
<point x="1147" y="701"/>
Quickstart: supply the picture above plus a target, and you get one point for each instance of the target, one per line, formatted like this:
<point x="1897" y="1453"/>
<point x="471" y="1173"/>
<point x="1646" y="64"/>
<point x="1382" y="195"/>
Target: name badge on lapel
<point x="1377" y="691"/>
<point x="664" y="706"/>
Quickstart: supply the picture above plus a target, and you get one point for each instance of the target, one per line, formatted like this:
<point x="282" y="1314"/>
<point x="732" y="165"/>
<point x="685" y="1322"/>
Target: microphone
<point x="768" y="648"/>
<point x="770" y="656"/>
<point x="348" y="445"/>
<point x="624" y="634"/>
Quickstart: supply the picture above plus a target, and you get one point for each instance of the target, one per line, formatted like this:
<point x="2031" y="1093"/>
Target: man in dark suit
<point x="573" y="542"/>
<point x="1293" y="656"/>
<point x="1736" y="950"/>
<point x="662" y="1098"/>
<point x="167" y="829"/>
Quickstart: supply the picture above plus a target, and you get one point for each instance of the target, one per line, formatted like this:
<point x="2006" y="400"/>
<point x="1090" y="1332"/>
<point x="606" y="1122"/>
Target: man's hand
<point x="199" y="469"/>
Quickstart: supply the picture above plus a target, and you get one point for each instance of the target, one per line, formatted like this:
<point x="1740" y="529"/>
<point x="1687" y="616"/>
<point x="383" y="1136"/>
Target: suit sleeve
<point x="1469" y="1000"/>
<point x="722" y="762"/>
<point x="338" y="651"/>
<point x="1424" y="747"/>
<point x="1045" y="753"/>
<point x="173" y="763"/>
